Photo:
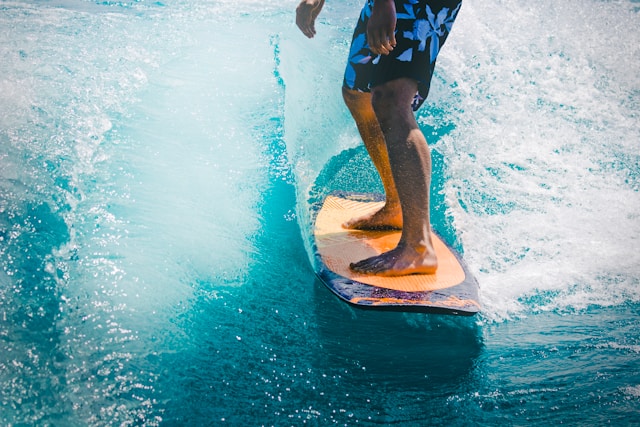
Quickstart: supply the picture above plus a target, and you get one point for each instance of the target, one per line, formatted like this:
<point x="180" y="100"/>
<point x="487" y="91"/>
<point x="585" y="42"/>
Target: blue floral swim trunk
<point x="422" y="28"/>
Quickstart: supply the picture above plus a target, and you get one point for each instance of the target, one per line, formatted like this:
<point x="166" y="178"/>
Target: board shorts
<point x="422" y="28"/>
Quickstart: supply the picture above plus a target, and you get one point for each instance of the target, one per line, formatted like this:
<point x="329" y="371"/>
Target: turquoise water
<point x="157" y="161"/>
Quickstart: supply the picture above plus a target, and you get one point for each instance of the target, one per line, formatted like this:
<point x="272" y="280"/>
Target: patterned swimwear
<point x="422" y="28"/>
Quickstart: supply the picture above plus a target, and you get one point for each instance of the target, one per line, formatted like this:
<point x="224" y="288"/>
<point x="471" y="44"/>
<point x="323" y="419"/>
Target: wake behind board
<point x="451" y="290"/>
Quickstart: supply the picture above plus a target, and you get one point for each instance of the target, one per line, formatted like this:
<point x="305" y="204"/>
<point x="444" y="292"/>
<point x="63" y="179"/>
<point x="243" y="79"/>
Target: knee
<point x="392" y="100"/>
<point x="383" y="101"/>
<point x="353" y="98"/>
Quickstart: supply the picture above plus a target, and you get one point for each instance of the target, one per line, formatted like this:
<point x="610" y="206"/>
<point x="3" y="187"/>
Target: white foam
<point x="632" y="392"/>
<point x="543" y="161"/>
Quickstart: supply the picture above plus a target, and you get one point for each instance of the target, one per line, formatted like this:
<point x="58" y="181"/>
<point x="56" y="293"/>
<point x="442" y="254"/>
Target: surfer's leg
<point x="357" y="96"/>
<point x="410" y="161"/>
<point x="390" y="215"/>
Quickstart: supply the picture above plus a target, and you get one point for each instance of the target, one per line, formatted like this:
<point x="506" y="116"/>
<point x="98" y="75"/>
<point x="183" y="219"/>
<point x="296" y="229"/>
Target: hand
<point x="306" y="14"/>
<point x="381" y="27"/>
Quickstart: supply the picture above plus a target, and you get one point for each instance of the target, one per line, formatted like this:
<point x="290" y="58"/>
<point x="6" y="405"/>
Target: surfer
<point x="387" y="78"/>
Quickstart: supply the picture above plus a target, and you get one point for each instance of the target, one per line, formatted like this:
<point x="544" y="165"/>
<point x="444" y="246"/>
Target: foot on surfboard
<point x="400" y="261"/>
<point x="387" y="218"/>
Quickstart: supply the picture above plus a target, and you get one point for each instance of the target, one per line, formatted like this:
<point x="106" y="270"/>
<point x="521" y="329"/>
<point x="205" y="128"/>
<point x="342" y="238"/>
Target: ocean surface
<point x="157" y="164"/>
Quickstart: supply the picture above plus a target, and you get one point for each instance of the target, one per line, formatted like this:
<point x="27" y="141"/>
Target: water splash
<point x="126" y="194"/>
<point x="543" y="161"/>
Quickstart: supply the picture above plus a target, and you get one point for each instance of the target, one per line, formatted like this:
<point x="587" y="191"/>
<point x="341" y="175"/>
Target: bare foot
<point x="398" y="262"/>
<point x="387" y="218"/>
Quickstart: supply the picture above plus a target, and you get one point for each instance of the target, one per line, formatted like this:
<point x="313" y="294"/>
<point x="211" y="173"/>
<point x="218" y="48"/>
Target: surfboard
<point x="451" y="290"/>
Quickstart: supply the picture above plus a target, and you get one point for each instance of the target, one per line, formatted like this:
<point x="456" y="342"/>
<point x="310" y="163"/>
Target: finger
<point x="307" y="29"/>
<point x="388" y="42"/>
<point x="386" y="47"/>
<point x="381" y="45"/>
<point x="303" y="25"/>
<point x="310" y="30"/>
<point x="392" y="40"/>
<point x="376" y="44"/>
